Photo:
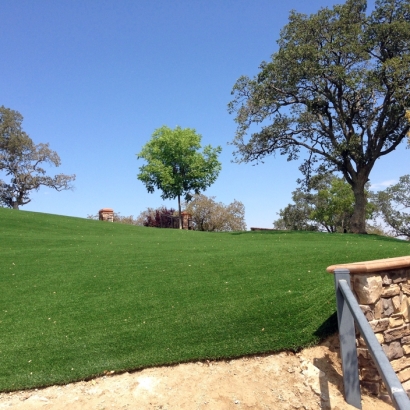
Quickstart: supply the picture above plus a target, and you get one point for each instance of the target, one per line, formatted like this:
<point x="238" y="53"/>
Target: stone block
<point x="405" y="340"/>
<point x="396" y="321"/>
<point x="393" y="350"/>
<point x="391" y="291"/>
<point x="367" y="311"/>
<point x="406" y="350"/>
<point x="404" y="375"/>
<point x="400" y="364"/>
<point x="378" y="309"/>
<point x="386" y="279"/>
<point x="368" y="288"/>
<point x="397" y="333"/>
<point x="396" y="303"/>
<point x="388" y="308"/>
<point x="405" y="288"/>
<point x="379" y="325"/>
<point x="362" y="343"/>
<point x="406" y="386"/>
<point x="404" y="308"/>
<point x="379" y="337"/>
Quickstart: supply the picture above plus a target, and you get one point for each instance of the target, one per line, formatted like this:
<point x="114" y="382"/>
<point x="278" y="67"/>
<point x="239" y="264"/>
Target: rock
<point x="393" y="350"/>
<point x="400" y="364"/>
<point x="314" y="377"/>
<point x="378" y="309"/>
<point x="368" y="288"/>
<point x="379" y="325"/>
<point x="397" y="333"/>
<point x="391" y="291"/>
<point x="404" y="308"/>
<point x="379" y="337"/>
<point x="388" y="307"/>
<point x="396" y="321"/>
<point x="404" y="375"/>
<point x="406" y="386"/>
<point x="367" y="311"/>
<point x="386" y="280"/>
<point x="405" y="288"/>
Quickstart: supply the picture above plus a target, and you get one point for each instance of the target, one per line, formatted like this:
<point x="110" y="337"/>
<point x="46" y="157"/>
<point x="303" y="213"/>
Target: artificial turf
<point x="80" y="297"/>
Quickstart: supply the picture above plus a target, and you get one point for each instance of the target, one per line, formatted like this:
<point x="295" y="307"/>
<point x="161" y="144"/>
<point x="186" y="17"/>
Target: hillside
<point x="81" y="297"/>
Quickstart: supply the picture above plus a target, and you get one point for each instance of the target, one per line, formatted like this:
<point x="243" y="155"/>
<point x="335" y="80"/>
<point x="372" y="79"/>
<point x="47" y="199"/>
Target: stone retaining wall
<point x="382" y="289"/>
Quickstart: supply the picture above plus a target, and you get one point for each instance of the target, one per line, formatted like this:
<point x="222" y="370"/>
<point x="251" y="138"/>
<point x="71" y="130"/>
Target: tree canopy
<point x="327" y="204"/>
<point x="394" y="206"/>
<point x="337" y="88"/>
<point x="209" y="215"/>
<point x="22" y="162"/>
<point x="176" y="166"/>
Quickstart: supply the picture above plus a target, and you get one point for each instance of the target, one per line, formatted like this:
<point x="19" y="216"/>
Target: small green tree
<point x="175" y="166"/>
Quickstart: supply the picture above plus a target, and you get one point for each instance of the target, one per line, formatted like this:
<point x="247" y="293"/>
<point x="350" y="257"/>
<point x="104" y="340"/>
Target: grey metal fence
<point x="349" y="312"/>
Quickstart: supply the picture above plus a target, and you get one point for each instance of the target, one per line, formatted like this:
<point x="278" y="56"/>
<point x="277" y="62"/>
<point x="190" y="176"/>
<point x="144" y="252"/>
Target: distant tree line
<point x="327" y="204"/>
<point x="206" y="215"/>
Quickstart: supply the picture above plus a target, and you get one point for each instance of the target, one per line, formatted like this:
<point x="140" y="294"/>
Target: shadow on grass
<point x="328" y="327"/>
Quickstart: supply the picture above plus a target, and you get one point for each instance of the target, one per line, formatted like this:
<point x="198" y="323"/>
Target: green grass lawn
<point x="80" y="297"/>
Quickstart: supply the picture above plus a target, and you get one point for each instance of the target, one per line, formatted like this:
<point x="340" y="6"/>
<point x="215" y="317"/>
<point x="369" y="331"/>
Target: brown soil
<point x="311" y="379"/>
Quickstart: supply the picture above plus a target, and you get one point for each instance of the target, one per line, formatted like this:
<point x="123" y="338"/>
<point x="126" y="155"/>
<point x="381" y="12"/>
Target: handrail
<point x="346" y="319"/>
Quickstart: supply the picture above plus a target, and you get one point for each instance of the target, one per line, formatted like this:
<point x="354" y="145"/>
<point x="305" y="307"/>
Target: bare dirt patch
<point x="311" y="379"/>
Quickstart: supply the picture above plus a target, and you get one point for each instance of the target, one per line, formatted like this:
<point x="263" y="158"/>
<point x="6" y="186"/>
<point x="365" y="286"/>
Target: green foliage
<point x="296" y="216"/>
<point x="22" y="162"/>
<point x="83" y="297"/>
<point x="330" y="208"/>
<point x="337" y="88"/>
<point x="209" y="215"/>
<point x="394" y="206"/>
<point x="175" y="166"/>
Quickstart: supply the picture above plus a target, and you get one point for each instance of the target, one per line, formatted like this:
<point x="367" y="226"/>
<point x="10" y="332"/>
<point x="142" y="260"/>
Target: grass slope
<point x="79" y="297"/>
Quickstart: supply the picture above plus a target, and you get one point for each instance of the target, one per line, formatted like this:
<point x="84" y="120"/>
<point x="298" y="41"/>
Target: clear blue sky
<point x="96" y="78"/>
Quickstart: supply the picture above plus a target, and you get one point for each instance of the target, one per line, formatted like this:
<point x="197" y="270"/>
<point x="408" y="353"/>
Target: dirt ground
<point x="311" y="379"/>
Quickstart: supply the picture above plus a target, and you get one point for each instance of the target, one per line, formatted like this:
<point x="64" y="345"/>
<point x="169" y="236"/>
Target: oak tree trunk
<point x="358" y="219"/>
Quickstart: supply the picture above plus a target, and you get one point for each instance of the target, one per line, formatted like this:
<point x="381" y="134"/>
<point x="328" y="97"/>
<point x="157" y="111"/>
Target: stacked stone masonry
<point x="384" y="298"/>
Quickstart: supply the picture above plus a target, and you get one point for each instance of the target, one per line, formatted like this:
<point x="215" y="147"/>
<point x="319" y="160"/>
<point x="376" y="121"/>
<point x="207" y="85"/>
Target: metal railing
<point x="349" y="312"/>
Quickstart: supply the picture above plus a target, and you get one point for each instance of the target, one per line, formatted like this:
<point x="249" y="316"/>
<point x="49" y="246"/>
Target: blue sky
<point x="96" y="78"/>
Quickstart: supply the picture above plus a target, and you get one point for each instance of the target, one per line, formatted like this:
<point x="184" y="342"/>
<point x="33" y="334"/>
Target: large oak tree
<point x="22" y="163"/>
<point x="338" y="88"/>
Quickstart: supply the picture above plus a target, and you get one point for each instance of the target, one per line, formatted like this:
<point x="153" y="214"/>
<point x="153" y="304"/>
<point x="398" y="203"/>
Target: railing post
<point x="347" y="336"/>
